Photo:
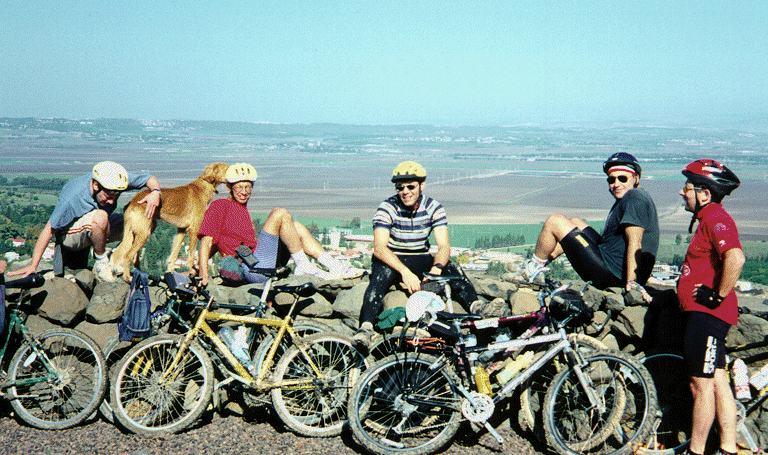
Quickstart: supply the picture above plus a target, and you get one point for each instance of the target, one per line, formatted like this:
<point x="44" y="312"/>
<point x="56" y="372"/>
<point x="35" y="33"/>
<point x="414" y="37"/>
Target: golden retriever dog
<point x="182" y="206"/>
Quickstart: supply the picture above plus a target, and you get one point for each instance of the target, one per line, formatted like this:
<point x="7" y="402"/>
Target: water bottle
<point x="741" y="381"/>
<point x="760" y="379"/>
<point x="514" y="367"/>
<point x="236" y="344"/>
<point x="483" y="381"/>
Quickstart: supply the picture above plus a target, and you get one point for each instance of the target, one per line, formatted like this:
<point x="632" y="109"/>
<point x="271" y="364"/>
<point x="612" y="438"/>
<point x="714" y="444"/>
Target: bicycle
<point x="532" y="392"/>
<point x="414" y="401"/>
<point x="179" y="295"/>
<point x="55" y="379"/>
<point x="671" y="434"/>
<point x="165" y="383"/>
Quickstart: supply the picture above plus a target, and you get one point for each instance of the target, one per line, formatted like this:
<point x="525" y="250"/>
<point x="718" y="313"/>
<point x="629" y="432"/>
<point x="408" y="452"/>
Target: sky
<point x="464" y="62"/>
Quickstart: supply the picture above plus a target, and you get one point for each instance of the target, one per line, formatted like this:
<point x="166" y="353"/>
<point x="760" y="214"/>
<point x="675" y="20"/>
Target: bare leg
<point x="310" y="244"/>
<point x="726" y="411"/>
<point x="99" y="231"/>
<point x="556" y="227"/>
<point x="280" y="223"/>
<point x="703" y="390"/>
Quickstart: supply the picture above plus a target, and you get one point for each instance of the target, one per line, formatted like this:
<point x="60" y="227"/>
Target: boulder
<point x="524" y="301"/>
<point x="349" y="301"/>
<point x="491" y="288"/>
<point x="108" y="302"/>
<point x="101" y="333"/>
<point x="37" y="324"/>
<point x="61" y="301"/>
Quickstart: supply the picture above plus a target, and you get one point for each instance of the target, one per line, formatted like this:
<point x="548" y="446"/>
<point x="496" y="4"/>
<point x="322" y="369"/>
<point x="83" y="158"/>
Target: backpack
<point x="134" y="324"/>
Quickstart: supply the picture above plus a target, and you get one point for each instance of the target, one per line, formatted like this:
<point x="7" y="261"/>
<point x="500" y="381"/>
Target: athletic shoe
<point x="103" y="271"/>
<point x="347" y="271"/>
<point x="312" y="270"/>
<point x="532" y="271"/>
<point x="363" y="337"/>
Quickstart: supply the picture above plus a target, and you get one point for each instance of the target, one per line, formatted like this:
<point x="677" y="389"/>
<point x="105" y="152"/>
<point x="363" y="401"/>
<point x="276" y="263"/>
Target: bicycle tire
<point x="114" y="351"/>
<point x="319" y="408"/>
<point x="146" y="405"/>
<point x="533" y="391"/>
<point x="405" y="390"/>
<point x="76" y="392"/>
<point x="671" y="434"/>
<point x="573" y="427"/>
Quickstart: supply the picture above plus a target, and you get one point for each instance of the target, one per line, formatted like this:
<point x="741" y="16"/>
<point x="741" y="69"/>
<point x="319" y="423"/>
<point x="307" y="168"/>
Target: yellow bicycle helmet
<point x="409" y="171"/>
<point x="110" y="175"/>
<point x="239" y="172"/>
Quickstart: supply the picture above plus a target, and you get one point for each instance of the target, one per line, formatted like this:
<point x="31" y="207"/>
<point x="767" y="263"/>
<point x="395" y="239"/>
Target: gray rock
<point x="108" y="302"/>
<point x="61" y="301"/>
<point x="101" y="333"/>
<point x="491" y="288"/>
<point x="349" y="301"/>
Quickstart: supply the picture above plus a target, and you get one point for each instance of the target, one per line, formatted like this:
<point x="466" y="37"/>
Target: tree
<point x="355" y="223"/>
<point x="678" y="239"/>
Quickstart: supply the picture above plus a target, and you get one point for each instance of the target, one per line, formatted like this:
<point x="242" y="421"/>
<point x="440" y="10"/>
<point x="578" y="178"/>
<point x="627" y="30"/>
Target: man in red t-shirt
<point x="227" y="224"/>
<point x="705" y="291"/>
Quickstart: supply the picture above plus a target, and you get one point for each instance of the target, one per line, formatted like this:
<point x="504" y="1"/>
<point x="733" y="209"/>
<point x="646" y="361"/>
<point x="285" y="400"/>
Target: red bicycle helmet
<point x="712" y="175"/>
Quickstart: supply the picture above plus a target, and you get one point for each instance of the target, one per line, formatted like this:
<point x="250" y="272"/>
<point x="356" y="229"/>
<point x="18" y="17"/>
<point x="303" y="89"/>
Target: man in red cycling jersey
<point x="705" y="291"/>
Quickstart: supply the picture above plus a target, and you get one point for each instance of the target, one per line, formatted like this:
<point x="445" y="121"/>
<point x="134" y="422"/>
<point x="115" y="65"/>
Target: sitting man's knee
<point x="280" y="212"/>
<point x="100" y="220"/>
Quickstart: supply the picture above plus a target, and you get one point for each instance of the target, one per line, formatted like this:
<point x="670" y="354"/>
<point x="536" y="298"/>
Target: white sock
<point x="329" y="262"/>
<point x="301" y="260"/>
<point x="538" y="260"/>
<point x="100" y="257"/>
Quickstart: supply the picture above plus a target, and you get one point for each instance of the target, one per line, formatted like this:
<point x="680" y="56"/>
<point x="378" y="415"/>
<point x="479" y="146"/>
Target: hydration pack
<point x="134" y="324"/>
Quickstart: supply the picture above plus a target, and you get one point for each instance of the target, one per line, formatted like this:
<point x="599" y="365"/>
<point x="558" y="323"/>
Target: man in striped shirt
<point x="401" y="228"/>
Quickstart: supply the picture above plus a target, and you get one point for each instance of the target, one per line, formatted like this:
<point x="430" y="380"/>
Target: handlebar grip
<point x="34" y="280"/>
<point x="154" y="280"/>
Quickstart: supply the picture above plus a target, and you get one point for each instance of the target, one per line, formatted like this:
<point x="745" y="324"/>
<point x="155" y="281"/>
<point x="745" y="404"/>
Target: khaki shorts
<point x="78" y="236"/>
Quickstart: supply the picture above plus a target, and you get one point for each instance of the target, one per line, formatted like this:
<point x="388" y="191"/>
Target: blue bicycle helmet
<point x="622" y="159"/>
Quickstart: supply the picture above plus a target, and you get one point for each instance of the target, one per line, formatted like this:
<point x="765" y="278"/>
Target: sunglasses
<point x="401" y="188"/>
<point x="621" y="178"/>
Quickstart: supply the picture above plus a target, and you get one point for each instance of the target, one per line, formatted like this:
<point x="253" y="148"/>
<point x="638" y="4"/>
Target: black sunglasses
<point x="410" y="187"/>
<point x="621" y="178"/>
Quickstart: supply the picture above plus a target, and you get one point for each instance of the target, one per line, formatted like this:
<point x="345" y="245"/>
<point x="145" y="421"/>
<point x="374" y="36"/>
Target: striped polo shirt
<point x="409" y="230"/>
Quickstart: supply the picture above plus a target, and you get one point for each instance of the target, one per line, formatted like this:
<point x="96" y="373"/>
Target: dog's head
<point x="214" y="173"/>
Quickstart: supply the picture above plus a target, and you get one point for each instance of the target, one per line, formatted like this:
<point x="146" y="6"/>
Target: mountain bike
<point x="532" y="391"/>
<point x="414" y="400"/>
<point x="165" y="383"/>
<point x="179" y="296"/>
<point x="55" y="379"/>
<point x="671" y="435"/>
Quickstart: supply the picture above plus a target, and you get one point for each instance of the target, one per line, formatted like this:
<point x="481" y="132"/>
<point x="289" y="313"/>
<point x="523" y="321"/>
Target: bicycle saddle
<point x="302" y="290"/>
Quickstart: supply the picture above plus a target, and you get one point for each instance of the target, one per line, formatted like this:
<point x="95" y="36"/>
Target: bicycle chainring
<point x="480" y="413"/>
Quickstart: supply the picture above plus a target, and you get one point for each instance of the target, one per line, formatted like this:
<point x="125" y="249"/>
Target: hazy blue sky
<point x="451" y="62"/>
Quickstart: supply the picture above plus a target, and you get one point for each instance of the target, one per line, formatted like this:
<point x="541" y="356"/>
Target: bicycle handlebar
<point x="34" y="280"/>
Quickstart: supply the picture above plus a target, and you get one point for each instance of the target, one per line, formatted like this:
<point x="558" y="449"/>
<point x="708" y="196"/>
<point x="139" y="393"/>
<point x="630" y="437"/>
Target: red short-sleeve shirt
<point x="703" y="264"/>
<point x="229" y="224"/>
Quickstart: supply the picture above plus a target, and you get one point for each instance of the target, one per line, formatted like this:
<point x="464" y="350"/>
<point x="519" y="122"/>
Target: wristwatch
<point x="438" y="265"/>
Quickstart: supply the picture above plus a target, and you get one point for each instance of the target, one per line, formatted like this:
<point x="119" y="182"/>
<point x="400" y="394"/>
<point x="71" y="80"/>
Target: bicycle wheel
<point x="533" y="391"/>
<point x="617" y="423"/>
<point x="302" y="329"/>
<point x="308" y="404"/>
<point x="671" y="433"/>
<point x="150" y="400"/>
<point x="75" y="388"/>
<point x="404" y="405"/>
<point x="114" y="351"/>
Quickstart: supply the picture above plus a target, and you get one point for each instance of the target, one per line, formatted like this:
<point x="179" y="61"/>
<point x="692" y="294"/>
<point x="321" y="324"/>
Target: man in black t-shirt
<point x="624" y="254"/>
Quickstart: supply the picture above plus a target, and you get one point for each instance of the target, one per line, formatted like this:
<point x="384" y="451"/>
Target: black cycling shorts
<point x="704" y="344"/>
<point x="580" y="246"/>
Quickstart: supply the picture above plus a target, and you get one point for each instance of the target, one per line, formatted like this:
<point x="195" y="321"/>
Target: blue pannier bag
<point x="134" y="325"/>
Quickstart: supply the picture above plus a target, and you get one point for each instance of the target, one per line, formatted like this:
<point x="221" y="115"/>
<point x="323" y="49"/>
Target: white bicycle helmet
<point x="239" y="172"/>
<point x="110" y="175"/>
